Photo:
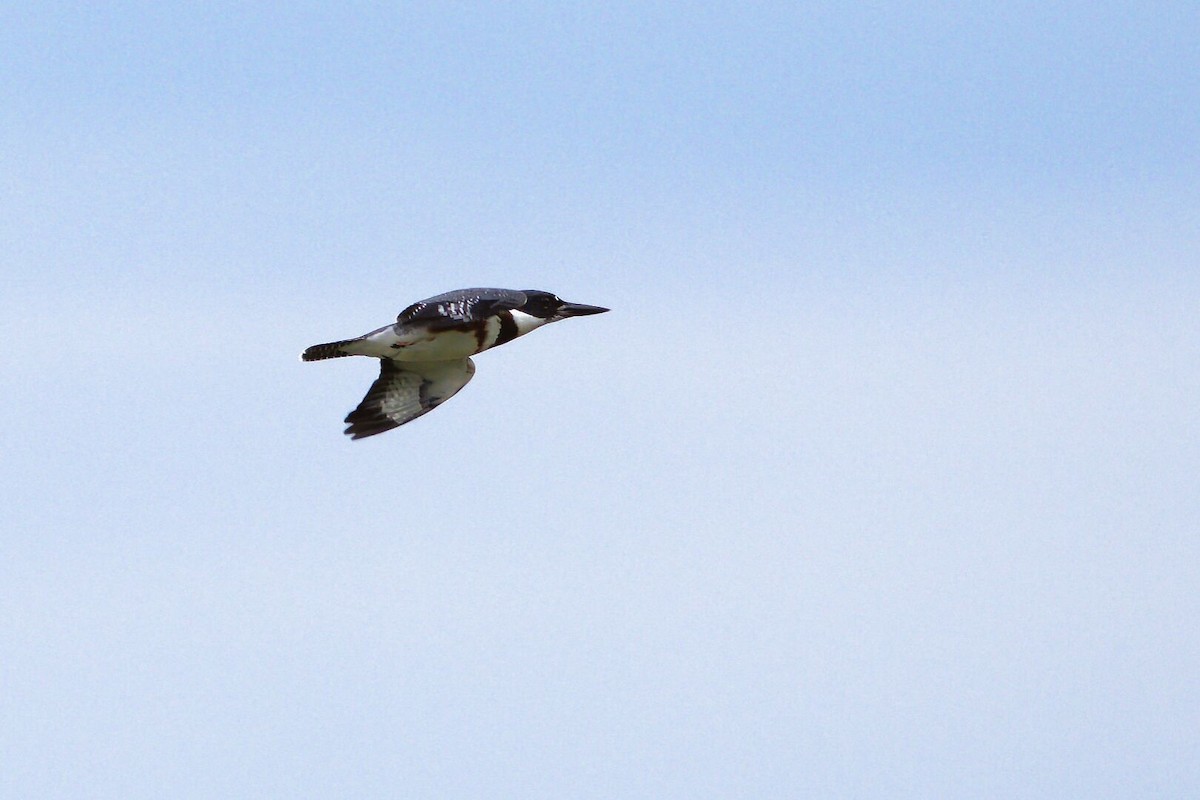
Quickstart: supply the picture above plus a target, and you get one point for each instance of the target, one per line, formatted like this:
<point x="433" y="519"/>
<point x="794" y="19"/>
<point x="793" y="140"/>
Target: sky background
<point x="881" y="479"/>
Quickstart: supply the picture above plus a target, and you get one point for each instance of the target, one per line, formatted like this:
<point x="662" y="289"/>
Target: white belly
<point x="423" y="346"/>
<point x="443" y="346"/>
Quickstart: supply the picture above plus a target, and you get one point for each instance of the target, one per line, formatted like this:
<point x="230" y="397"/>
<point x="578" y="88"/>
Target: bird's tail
<point x="328" y="350"/>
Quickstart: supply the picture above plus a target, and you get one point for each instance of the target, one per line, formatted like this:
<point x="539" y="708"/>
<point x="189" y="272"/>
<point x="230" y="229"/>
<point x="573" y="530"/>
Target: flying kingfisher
<point x="425" y="356"/>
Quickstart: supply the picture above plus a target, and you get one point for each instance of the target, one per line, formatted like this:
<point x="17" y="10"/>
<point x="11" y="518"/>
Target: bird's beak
<point x="579" y="310"/>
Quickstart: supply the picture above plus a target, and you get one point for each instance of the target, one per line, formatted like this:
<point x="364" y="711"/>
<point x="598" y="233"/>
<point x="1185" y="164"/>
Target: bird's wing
<point x="465" y="305"/>
<point x="405" y="391"/>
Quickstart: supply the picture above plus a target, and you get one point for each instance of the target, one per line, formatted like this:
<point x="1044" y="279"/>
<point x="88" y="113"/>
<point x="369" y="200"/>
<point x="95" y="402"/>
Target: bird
<point x="425" y="357"/>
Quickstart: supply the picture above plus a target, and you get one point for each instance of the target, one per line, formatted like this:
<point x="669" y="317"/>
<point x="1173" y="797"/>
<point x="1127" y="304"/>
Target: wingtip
<point x="355" y="432"/>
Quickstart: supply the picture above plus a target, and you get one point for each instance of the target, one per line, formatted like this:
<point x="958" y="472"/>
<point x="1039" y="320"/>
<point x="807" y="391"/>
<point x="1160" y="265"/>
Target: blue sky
<point x="878" y="481"/>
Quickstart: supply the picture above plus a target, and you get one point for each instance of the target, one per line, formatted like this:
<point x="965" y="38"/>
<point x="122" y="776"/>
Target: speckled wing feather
<point x="405" y="391"/>
<point x="465" y="305"/>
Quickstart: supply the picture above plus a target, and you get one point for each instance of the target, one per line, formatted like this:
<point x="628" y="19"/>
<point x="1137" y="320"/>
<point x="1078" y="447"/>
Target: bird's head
<point x="551" y="307"/>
